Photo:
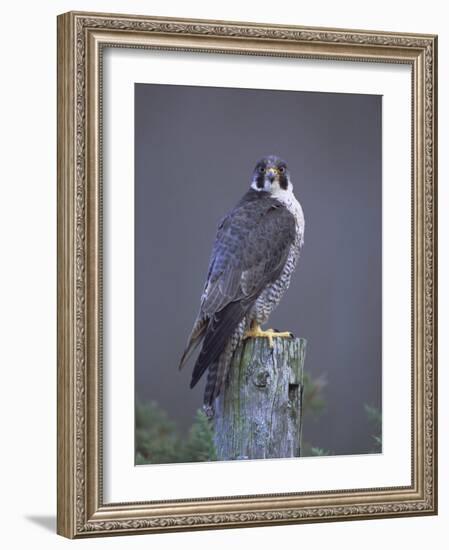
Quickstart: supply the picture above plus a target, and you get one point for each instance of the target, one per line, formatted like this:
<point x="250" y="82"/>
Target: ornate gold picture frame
<point x="82" y="40"/>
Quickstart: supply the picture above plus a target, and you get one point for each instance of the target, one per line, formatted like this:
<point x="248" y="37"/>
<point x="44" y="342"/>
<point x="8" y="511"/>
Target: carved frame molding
<point x="81" y="39"/>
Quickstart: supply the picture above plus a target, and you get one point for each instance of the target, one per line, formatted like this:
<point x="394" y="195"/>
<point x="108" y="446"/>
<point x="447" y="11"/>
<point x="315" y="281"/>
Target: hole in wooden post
<point x="293" y="392"/>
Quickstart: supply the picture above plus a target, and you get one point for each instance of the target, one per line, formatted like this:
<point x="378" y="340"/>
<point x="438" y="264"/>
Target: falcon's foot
<point x="256" y="332"/>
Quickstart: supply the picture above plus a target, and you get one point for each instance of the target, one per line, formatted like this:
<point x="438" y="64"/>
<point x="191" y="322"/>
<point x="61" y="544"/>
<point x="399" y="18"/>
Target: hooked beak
<point x="272" y="173"/>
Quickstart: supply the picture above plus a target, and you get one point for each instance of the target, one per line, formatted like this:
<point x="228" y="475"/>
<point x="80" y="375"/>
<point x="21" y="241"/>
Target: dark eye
<point x="281" y="169"/>
<point x="261" y="169"/>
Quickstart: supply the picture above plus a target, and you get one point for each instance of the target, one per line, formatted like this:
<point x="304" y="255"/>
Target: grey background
<point x="195" y="149"/>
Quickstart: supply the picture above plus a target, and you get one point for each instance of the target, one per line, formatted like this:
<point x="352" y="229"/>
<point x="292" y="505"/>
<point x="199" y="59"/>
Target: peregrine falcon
<point x="254" y="255"/>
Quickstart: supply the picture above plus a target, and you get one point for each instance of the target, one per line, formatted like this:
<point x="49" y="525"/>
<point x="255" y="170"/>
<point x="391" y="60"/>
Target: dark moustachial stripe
<point x="283" y="181"/>
<point x="260" y="181"/>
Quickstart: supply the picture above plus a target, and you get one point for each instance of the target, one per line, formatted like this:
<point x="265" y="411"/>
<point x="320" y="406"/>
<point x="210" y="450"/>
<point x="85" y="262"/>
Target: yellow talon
<point x="256" y="332"/>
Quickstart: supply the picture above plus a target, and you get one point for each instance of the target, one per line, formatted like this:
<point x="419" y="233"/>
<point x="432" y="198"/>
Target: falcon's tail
<point x="195" y="338"/>
<point x="219" y="330"/>
<point x="217" y="373"/>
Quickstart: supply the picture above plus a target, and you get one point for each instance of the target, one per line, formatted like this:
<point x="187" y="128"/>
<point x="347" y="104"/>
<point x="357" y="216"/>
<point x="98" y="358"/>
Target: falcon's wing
<point x="252" y="243"/>
<point x="249" y="253"/>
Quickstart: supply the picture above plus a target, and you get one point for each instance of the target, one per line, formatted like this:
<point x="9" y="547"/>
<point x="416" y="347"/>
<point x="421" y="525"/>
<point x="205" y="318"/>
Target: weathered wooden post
<point x="258" y="413"/>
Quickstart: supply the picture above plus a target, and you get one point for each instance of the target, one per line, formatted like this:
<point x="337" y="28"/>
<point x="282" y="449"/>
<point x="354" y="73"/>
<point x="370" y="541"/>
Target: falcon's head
<point x="271" y="175"/>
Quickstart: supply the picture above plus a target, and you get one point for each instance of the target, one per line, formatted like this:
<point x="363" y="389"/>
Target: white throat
<point x="285" y="196"/>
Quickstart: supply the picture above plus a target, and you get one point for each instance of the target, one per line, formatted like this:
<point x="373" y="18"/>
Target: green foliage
<point x="313" y="401"/>
<point x="317" y="451"/>
<point x="200" y="442"/>
<point x="313" y="405"/>
<point x="309" y="450"/>
<point x="159" y="442"/>
<point x="374" y="416"/>
<point x="156" y="437"/>
<point x="375" y="419"/>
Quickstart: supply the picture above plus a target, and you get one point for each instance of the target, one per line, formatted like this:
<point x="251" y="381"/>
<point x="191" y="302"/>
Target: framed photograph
<point x="247" y="252"/>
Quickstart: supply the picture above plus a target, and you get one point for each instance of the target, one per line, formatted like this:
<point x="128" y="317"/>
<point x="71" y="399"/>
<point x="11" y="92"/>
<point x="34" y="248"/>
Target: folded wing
<point x="249" y="253"/>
